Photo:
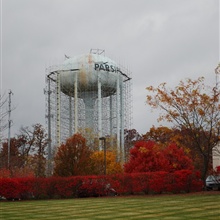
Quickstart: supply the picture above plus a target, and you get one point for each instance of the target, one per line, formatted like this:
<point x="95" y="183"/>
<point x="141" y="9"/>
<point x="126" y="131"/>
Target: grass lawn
<point x="200" y="206"/>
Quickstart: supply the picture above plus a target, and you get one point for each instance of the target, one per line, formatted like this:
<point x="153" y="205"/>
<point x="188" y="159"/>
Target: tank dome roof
<point x="88" y="69"/>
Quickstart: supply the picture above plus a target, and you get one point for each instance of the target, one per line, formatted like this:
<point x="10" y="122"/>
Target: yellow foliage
<point x="97" y="163"/>
<point x="174" y="165"/>
<point x="143" y="150"/>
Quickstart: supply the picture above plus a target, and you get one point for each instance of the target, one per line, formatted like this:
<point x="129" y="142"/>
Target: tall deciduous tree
<point x="17" y="165"/>
<point x="27" y="150"/>
<point x="73" y="157"/>
<point x="194" y="107"/>
<point x="161" y="135"/>
<point x="15" y="159"/>
<point x="34" y="148"/>
<point x="40" y="143"/>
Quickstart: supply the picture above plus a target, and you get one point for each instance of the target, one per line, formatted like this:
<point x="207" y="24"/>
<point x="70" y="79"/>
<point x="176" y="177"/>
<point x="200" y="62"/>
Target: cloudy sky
<point x="159" y="40"/>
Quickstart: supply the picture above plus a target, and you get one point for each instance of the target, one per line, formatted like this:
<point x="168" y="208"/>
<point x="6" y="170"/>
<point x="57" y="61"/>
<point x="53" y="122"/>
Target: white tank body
<point x="88" y="69"/>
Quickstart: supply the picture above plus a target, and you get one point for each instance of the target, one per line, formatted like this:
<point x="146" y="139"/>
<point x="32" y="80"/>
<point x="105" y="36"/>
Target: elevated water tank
<point x="89" y="69"/>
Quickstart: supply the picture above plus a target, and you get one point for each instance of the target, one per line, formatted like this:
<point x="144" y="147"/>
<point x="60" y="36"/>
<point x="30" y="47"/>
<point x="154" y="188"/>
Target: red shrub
<point x="26" y="188"/>
<point x="144" y="182"/>
<point x="116" y="182"/>
<point x="157" y="182"/>
<point x="92" y="186"/>
<point x="10" y="188"/>
<point x="86" y="186"/>
<point x="66" y="187"/>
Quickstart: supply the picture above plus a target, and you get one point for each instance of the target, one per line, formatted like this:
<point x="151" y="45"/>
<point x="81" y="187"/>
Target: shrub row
<point x="84" y="186"/>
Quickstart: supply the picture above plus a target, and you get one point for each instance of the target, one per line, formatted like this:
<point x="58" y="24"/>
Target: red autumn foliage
<point x="85" y="186"/>
<point x="72" y="157"/>
<point x="16" y="172"/>
<point x="150" y="157"/>
<point x="4" y="173"/>
<point x="177" y="159"/>
<point x="193" y="108"/>
<point x="10" y="188"/>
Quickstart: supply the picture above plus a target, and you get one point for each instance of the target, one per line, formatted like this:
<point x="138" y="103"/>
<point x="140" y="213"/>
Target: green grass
<point x="187" y="206"/>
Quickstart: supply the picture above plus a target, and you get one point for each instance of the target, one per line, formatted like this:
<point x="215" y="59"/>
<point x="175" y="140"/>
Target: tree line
<point x="191" y="108"/>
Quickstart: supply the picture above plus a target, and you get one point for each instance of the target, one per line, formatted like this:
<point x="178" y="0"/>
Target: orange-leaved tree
<point x="194" y="107"/>
<point x="73" y="157"/>
<point x="161" y="135"/>
<point x="147" y="156"/>
<point x="97" y="163"/>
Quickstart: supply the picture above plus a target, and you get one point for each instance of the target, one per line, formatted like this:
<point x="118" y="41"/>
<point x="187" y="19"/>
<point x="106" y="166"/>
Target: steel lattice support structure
<point x="88" y="92"/>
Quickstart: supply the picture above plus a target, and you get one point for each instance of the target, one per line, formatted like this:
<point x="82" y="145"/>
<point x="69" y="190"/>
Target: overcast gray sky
<point x="159" y="40"/>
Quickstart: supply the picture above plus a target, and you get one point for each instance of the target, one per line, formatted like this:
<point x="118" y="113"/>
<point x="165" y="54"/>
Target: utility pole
<point x="9" y="127"/>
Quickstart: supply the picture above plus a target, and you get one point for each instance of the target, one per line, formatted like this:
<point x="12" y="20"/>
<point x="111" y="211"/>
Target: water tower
<point x="88" y="91"/>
